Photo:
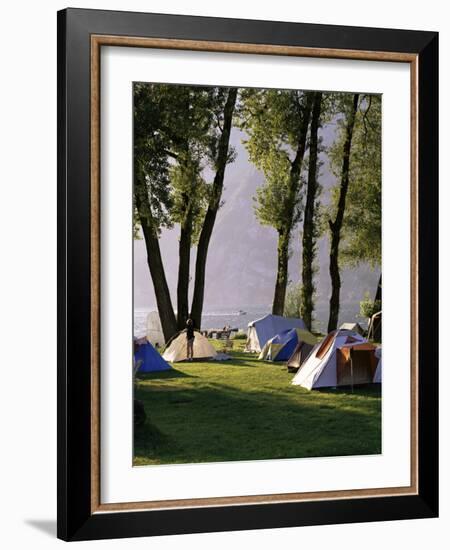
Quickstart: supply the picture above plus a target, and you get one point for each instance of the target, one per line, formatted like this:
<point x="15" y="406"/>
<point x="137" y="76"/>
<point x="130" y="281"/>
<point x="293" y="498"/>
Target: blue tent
<point x="282" y="346"/>
<point x="151" y="359"/>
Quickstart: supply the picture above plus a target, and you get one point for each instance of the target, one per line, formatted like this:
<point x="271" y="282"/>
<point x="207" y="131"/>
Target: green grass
<point x="245" y="409"/>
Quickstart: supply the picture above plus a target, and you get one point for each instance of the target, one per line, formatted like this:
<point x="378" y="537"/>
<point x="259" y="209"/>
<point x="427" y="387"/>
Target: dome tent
<point x="355" y="327"/>
<point x="151" y="360"/>
<point x="282" y="346"/>
<point x="300" y="354"/>
<point x="374" y="330"/>
<point x="154" y="329"/>
<point x="261" y="330"/>
<point x="176" y="350"/>
<point x="342" y="358"/>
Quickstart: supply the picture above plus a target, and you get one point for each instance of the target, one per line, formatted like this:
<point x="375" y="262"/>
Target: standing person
<point x="190" y="339"/>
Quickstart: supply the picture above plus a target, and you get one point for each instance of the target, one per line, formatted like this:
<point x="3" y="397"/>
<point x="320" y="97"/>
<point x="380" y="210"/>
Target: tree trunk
<point x="336" y="225"/>
<point x="184" y="267"/>
<point x="309" y="240"/>
<point x="282" y="273"/>
<point x="156" y="267"/>
<point x="283" y="242"/>
<point x="211" y="213"/>
<point x="379" y="291"/>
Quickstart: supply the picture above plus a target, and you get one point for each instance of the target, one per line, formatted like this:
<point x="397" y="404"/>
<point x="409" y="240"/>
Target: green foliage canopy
<point x="292" y="305"/>
<point x="176" y="130"/>
<point x="362" y="226"/>
<point x="273" y="122"/>
<point x="361" y="232"/>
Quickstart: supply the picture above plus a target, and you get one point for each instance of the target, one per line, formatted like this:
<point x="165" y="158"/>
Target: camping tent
<point x="343" y="358"/>
<point x="377" y="375"/>
<point x="154" y="329"/>
<point x="282" y="346"/>
<point x="176" y="350"/>
<point x="299" y="356"/>
<point x="151" y="360"/>
<point x="267" y="327"/>
<point x="355" y="327"/>
<point x="374" y="330"/>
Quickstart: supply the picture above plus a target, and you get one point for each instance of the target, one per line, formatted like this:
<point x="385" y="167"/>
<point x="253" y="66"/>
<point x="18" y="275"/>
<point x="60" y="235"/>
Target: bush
<point x="240" y="336"/>
<point x="368" y="307"/>
<point x="293" y="300"/>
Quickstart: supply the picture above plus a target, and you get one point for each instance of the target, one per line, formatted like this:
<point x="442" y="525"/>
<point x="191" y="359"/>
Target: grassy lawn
<point x="245" y="409"/>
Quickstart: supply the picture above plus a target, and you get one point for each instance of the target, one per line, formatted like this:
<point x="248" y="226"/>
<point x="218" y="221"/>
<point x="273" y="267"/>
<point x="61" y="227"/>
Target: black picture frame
<point x="76" y="521"/>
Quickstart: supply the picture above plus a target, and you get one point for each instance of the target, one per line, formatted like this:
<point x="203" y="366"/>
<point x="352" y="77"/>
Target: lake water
<point x="240" y="317"/>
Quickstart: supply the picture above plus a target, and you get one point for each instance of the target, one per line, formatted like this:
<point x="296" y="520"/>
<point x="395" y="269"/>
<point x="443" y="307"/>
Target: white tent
<point x="154" y="329"/>
<point x="377" y="375"/>
<point x="356" y="327"/>
<point x="177" y="350"/>
<point x="261" y="330"/>
<point x="342" y="358"/>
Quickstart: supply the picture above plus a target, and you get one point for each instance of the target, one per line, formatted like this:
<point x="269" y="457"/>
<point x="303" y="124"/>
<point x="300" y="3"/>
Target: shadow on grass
<point x="164" y="375"/>
<point x="251" y="360"/>
<point x="149" y="435"/>
<point x="366" y="390"/>
<point x="220" y="423"/>
<point x="238" y="362"/>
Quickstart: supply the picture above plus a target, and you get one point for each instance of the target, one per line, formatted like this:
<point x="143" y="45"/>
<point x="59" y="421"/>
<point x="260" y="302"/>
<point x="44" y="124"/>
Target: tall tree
<point x="362" y="223"/>
<point x="336" y="224"/>
<point x="189" y="198"/>
<point x="176" y="120"/>
<point x="309" y="226"/>
<point x="220" y="156"/>
<point x="277" y="125"/>
<point x="188" y="131"/>
<point x="152" y="199"/>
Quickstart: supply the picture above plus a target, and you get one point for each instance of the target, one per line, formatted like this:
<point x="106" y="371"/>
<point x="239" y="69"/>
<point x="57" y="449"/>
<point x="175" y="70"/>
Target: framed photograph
<point x="247" y="255"/>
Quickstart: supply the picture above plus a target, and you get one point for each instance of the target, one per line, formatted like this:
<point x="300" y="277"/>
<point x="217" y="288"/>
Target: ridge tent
<point x="343" y="358"/>
<point x="177" y="350"/>
<point x="151" y="360"/>
<point x="377" y="375"/>
<point x="282" y="346"/>
<point x="355" y="327"/>
<point x="261" y="330"/>
<point x="154" y="329"/>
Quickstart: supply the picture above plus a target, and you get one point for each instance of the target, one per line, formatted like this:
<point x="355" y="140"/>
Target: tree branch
<point x="219" y="125"/>
<point x="170" y="154"/>
<point x="366" y="120"/>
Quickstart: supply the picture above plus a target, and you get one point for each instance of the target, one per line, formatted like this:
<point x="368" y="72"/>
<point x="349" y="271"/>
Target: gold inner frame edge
<point x="97" y="41"/>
